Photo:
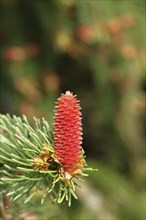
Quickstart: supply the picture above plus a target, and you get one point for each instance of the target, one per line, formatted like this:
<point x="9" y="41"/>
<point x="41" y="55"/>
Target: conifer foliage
<point x="32" y="157"/>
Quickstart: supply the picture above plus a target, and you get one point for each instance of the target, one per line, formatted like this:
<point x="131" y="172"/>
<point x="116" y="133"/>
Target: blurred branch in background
<point x="96" y="49"/>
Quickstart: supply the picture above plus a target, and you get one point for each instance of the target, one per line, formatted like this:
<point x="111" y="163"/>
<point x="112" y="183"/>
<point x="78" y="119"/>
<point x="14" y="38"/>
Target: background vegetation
<point x="96" y="49"/>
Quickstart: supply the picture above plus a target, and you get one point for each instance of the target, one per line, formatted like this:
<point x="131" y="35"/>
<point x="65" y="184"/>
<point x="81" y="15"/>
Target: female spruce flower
<point x="68" y="134"/>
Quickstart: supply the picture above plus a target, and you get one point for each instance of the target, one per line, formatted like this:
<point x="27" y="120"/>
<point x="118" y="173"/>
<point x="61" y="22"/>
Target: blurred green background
<point x="95" y="49"/>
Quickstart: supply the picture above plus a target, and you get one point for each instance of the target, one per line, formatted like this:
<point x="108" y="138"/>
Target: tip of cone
<point x="68" y="93"/>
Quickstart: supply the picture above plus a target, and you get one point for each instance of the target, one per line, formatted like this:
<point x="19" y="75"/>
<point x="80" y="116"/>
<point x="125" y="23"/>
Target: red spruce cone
<point x="68" y="132"/>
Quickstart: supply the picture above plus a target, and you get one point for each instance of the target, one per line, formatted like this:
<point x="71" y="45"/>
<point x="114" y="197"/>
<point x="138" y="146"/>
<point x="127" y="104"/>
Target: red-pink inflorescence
<point x="67" y="131"/>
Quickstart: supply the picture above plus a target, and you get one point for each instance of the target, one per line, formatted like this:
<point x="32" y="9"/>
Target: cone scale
<point x="68" y="132"/>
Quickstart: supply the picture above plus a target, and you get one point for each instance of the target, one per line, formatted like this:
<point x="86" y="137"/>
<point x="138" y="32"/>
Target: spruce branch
<point x="29" y="161"/>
